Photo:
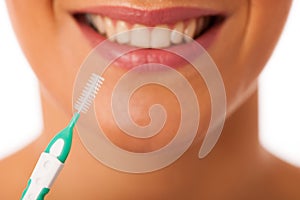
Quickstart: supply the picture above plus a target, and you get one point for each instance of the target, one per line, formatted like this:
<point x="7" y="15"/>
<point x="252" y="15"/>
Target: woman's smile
<point x="172" y="28"/>
<point x="178" y="20"/>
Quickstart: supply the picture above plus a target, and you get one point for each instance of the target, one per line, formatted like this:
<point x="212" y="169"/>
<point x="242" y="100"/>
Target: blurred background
<point x="20" y="123"/>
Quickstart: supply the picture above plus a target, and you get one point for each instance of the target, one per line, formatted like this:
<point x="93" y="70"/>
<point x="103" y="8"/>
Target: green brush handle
<point x="50" y="163"/>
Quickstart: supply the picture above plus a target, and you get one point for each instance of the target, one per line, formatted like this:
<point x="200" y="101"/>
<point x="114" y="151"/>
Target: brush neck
<point x="74" y="120"/>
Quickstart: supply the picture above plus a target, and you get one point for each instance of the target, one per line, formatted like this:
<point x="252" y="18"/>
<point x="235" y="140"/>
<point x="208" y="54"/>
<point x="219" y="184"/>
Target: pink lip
<point x="149" y="18"/>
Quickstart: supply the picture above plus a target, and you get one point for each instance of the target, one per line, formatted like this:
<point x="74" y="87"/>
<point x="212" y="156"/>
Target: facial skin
<point x="55" y="47"/>
<point x="59" y="48"/>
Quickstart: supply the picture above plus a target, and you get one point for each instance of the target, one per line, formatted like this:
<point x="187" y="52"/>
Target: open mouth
<point x="143" y="28"/>
<point x="143" y="36"/>
<point x="152" y="30"/>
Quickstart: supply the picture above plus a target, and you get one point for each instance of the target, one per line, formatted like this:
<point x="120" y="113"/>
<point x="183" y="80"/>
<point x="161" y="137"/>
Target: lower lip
<point x="139" y="56"/>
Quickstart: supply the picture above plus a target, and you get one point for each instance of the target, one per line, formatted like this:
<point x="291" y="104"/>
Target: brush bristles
<point x="89" y="93"/>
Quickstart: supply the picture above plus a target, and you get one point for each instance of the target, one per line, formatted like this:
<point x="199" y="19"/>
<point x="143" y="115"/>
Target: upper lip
<point x="169" y="15"/>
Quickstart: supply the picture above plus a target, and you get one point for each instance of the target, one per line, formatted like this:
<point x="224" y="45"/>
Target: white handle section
<point x="43" y="175"/>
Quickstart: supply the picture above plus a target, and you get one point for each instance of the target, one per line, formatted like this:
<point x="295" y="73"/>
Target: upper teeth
<point x="138" y="35"/>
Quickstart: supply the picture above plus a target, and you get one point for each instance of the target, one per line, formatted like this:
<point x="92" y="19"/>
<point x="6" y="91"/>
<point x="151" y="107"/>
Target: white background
<point x="21" y="123"/>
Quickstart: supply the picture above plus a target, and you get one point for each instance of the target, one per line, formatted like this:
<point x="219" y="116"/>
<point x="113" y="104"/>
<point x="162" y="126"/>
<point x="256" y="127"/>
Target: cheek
<point x="49" y="39"/>
<point x="252" y="34"/>
<point x="265" y="23"/>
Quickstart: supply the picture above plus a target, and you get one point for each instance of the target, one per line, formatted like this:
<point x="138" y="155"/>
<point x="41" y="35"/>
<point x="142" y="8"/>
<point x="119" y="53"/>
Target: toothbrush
<point x="53" y="158"/>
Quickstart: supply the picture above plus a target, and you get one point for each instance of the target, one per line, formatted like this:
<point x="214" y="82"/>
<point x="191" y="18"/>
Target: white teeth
<point x="123" y="36"/>
<point x="190" y="30"/>
<point x="160" y="36"/>
<point x="176" y="34"/>
<point x="98" y="21"/>
<point x="140" y="36"/>
<point x="110" y="29"/>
